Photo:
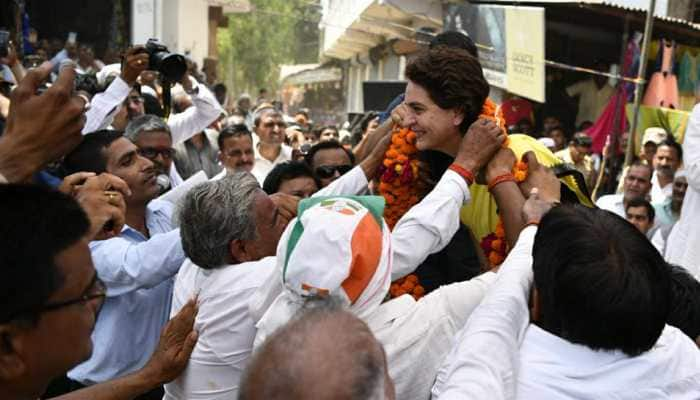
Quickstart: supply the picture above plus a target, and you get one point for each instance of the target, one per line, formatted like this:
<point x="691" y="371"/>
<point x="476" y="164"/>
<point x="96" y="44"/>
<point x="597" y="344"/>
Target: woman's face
<point x="436" y="128"/>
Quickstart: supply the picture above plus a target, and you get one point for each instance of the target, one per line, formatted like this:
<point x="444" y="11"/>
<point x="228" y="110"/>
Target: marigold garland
<point x="399" y="175"/>
<point x="407" y="285"/>
<point x="494" y="244"/>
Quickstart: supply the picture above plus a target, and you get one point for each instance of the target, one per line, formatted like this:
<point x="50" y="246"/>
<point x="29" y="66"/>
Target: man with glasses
<point x="270" y="149"/>
<point x="137" y="266"/>
<point x="153" y="138"/>
<point x="50" y="297"/>
<point x="329" y="160"/>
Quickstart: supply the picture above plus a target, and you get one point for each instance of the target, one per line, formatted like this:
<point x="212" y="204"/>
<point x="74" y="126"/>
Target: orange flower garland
<point x="399" y="174"/>
<point x="494" y="244"/>
<point x="407" y="285"/>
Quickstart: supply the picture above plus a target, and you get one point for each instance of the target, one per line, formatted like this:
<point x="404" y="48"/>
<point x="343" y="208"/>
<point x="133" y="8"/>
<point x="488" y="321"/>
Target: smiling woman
<point x="445" y="94"/>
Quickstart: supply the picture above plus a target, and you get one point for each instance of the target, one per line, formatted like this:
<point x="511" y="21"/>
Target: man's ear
<point x="457" y="117"/>
<point x="240" y="251"/>
<point x="535" y="308"/>
<point x="12" y="341"/>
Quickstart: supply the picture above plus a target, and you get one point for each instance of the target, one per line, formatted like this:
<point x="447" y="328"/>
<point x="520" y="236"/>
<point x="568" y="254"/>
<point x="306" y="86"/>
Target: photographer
<point x="122" y="102"/>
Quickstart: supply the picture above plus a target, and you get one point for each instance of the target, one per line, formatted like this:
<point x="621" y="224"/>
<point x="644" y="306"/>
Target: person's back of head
<point x="323" y="354"/>
<point x="89" y="155"/>
<point x="599" y="282"/>
<point x="455" y="40"/>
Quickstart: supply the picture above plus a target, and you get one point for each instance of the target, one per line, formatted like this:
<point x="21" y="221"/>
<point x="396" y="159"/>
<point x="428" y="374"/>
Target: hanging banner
<point x="510" y="41"/>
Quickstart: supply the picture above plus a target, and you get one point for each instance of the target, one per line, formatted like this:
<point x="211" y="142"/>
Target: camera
<point x="171" y="66"/>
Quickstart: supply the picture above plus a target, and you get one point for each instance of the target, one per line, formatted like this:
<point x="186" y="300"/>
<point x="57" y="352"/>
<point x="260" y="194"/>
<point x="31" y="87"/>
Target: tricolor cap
<point x="338" y="247"/>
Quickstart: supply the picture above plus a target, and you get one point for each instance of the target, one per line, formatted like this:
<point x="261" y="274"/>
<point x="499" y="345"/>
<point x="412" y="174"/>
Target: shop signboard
<point x="510" y="41"/>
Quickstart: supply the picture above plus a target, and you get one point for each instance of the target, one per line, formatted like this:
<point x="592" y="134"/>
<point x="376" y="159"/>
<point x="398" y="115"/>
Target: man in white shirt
<point x="270" y="149"/>
<point x="613" y="345"/>
<point x="637" y="185"/>
<point x="681" y="247"/>
<point x="122" y="100"/>
<point x="667" y="159"/>
<point x="236" y="152"/>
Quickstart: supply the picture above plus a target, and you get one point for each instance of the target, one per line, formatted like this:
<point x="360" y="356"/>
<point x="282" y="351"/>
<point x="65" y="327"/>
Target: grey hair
<point x="297" y="354"/>
<point x="145" y="123"/>
<point x="214" y="213"/>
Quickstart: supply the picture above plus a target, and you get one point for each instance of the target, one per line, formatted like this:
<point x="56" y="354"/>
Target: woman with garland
<point x="446" y="93"/>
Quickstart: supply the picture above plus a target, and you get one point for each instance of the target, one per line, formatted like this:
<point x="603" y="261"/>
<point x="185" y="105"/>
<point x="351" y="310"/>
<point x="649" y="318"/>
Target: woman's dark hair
<point x="453" y="79"/>
<point x="286" y="171"/>
<point x="37" y="224"/>
<point x="600" y="282"/>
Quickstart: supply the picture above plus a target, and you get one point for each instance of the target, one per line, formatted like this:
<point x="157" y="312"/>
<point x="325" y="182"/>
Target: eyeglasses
<point x="328" y="171"/>
<point x="95" y="290"/>
<point x="152" y="153"/>
<point x="281" y="125"/>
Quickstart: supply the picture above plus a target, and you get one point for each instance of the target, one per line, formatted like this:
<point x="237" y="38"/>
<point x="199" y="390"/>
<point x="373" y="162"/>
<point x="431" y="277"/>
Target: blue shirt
<point x="138" y="273"/>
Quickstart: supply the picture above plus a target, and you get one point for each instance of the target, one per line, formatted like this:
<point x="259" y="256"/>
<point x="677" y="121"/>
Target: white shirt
<point x="613" y="203"/>
<point x="658" y="193"/>
<point x="417" y="335"/>
<point x="501" y="356"/>
<point x="263" y="166"/>
<point x="205" y="110"/>
<point x="554" y="368"/>
<point x="682" y="244"/>
<point x="226" y="330"/>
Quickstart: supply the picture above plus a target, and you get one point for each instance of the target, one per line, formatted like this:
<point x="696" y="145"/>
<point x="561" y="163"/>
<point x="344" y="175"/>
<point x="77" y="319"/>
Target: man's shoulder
<point x="229" y="280"/>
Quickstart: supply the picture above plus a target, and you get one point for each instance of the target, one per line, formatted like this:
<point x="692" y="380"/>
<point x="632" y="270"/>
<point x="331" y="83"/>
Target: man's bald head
<point x="324" y="354"/>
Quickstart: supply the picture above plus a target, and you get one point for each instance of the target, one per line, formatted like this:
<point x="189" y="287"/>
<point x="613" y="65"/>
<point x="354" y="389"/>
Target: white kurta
<point x="682" y="244"/>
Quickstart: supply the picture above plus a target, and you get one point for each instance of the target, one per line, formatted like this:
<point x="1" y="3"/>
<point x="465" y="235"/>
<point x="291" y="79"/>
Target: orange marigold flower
<point x="400" y="292"/>
<point x="407" y="286"/>
<point x="411" y="137"/>
<point x="495" y="258"/>
<point x="520" y="176"/>
<point x="419" y="291"/>
<point x="496" y="244"/>
<point x="499" y="232"/>
<point x="412" y="278"/>
<point x="388" y="162"/>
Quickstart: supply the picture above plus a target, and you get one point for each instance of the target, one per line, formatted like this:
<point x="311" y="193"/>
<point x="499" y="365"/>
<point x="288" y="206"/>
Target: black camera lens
<point x="171" y="66"/>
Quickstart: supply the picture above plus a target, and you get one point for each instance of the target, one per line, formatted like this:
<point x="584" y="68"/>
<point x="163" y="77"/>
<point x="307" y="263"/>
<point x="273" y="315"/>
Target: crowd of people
<point x="204" y="249"/>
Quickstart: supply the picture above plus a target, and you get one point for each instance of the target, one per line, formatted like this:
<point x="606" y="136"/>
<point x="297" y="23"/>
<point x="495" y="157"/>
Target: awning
<point x="316" y="75"/>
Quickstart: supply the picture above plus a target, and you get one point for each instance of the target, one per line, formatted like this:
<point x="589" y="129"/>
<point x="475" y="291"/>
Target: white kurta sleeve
<point x="205" y="110"/>
<point x="104" y="105"/>
<point x="484" y="362"/>
<point x="429" y="225"/>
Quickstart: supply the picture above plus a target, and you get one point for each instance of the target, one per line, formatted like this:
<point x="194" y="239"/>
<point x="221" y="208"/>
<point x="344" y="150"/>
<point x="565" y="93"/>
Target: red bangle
<point x="463" y="172"/>
<point x="507" y="177"/>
